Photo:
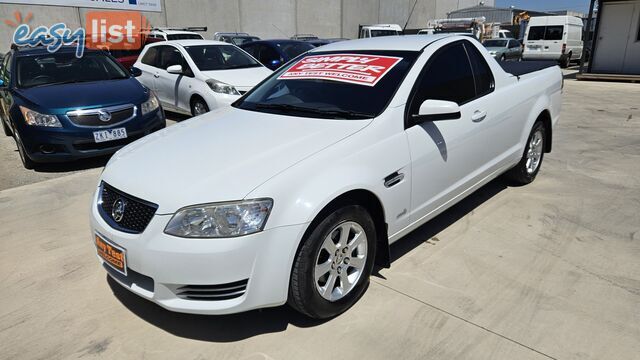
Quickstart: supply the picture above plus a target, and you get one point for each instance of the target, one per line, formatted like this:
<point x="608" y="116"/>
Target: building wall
<point x="267" y="19"/>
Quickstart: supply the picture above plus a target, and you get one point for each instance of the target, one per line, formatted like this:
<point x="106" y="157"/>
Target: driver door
<point x="448" y="156"/>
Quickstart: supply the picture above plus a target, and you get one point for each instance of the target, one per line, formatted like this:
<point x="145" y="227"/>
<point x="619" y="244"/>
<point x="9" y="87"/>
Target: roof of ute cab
<point x="399" y="43"/>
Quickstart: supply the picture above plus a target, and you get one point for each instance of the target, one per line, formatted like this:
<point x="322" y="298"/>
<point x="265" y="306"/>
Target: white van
<point x="369" y="31"/>
<point x="553" y="38"/>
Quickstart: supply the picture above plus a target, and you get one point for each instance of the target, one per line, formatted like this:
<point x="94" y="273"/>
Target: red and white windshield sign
<point x="350" y="68"/>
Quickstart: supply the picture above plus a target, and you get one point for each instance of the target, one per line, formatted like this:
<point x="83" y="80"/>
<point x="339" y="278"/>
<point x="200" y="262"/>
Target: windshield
<point x="63" y="68"/>
<point x="495" y="43"/>
<point x="239" y="40"/>
<point x="293" y="49"/>
<point x="376" y="33"/>
<point x="333" y="99"/>
<point x="220" y="57"/>
<point x="184" y="37"/>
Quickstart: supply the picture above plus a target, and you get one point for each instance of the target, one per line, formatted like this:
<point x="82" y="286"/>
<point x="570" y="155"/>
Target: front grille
<point x="91" y="117"/>
<point x="136" y="215"/>
<point x="213" y="292"/>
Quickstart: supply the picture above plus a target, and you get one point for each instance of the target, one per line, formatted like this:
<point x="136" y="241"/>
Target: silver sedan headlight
<point x="220" y="220"/>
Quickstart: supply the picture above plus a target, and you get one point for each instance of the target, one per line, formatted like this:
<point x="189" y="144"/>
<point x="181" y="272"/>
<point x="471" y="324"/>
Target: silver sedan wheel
<point x="341" y="261"/>
<point x="535" y="152"/>
<point x="199" y="108"/>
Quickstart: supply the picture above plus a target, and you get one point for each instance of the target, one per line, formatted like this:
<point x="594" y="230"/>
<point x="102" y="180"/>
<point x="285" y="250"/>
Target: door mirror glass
<point x="175" y="69"/>
<point x="434" y="110"/>
<point x="135" y="72"/>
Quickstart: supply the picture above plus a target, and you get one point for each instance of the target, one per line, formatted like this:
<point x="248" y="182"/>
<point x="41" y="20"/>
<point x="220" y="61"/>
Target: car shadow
<point x="77" y="165"/>
<point x="235" y="327"/>
<point x="428" y="231"/>
<point x="177" y="117"/>
<point x="212" y="328"/>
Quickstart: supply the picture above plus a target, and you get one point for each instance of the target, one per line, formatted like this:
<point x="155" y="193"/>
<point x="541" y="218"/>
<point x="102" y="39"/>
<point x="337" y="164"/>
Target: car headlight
<point x="150" y="105"/>
<point x="221" y="219"/>
<point x="34" y="118"/>
<point x="221" y="87"/>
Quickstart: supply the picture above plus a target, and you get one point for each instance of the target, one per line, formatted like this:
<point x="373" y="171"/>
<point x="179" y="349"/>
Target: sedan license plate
<point x="113" y="255"/>
<point x="110" y="135"/>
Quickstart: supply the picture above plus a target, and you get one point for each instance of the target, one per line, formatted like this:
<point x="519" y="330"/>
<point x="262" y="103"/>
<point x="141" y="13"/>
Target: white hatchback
<point x="195" y="76"/>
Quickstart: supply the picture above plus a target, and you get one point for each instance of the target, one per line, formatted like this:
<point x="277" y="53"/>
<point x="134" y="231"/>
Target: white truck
<point x="557" y="38"/>
<point x="296" y="190"/>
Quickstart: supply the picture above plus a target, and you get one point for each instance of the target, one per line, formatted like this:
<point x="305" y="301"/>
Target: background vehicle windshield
<point x="220" y="57"/>
<point x="293" y="49"/>
<point x="376" y="33"/>
<point x="184" y="37"/>
<point x="239" y="40"/>
<point x="495" y="43"/>
<point x="63" y="68"/>
<point x="326" y="98"/>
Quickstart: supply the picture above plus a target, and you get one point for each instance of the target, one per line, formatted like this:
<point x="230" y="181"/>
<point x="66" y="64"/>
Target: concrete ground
<point x="546" y="271"/>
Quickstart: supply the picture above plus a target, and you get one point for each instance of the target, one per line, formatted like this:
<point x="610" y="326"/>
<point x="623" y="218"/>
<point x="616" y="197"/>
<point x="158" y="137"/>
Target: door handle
<point x="478" y="116"/>
<point x="156" y="75"/>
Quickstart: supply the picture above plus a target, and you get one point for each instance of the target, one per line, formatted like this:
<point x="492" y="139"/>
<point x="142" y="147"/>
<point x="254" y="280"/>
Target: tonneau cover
<point x="525" y="67"/>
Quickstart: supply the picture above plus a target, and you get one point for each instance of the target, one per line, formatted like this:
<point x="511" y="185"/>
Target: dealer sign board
<point x="139" y="5"/>
<point x="350" y="68"/>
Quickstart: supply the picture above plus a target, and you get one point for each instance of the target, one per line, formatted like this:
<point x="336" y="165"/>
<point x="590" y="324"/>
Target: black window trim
<point x="414" y="89"/>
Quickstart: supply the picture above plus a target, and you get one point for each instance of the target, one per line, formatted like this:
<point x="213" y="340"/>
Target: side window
<point x="482" y="73"/>
<point x="170" y="56"/>
<point x="251" y="49"/>
<point x="151" y="57"/>
<point x="447" y="76"/>
<point x="268" y="54"/>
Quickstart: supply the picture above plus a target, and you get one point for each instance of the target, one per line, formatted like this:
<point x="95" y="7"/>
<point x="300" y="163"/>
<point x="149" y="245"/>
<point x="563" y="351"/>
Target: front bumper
<point x="161" y="266"/>
<point x="72" y="142"/>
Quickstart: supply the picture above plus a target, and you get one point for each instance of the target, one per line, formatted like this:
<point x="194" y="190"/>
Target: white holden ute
<point x="195" y="76"/>
<point x="293" y="193"/>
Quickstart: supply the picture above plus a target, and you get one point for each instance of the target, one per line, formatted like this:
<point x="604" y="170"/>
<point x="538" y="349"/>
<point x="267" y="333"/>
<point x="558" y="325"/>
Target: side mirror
<point x="135" y="72"/>
<point x="434" y="110"/>
<point x="175" y="69"/>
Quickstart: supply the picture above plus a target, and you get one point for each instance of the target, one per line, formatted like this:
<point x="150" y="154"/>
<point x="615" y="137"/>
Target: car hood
<point x="219" y="156"/>
<point x="239" y="77"/>
<point x="58" y="99"/>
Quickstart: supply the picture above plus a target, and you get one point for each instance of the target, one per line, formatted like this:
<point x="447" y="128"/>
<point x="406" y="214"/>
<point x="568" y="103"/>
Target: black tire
<point x="26" y="160"/>
<point x="304" y="295"/>
<point x="565" y="61"/>
<point x="198" y="101"/>
<point x="519" y="174"/>
<point x="5" y="128"/>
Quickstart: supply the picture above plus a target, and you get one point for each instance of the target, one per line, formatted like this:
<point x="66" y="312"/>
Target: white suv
<point x="176" y="34"/>
<point x="195" y="76"/>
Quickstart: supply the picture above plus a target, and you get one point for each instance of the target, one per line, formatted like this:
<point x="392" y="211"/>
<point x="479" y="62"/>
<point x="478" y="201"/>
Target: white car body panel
<point x="176" y="91"/>
<point x="305" y="163"/>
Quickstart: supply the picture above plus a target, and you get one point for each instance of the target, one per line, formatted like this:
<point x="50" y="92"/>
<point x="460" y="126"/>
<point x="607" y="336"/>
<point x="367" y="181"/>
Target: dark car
<point x="275" y="53"/>
<point x="320" y="42"/>
<point x="236" y="39"/>
<point x="59" y="107"/>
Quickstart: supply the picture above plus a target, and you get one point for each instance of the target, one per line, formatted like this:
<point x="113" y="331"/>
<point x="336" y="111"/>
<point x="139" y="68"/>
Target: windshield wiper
<point x="334" y="113"/>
